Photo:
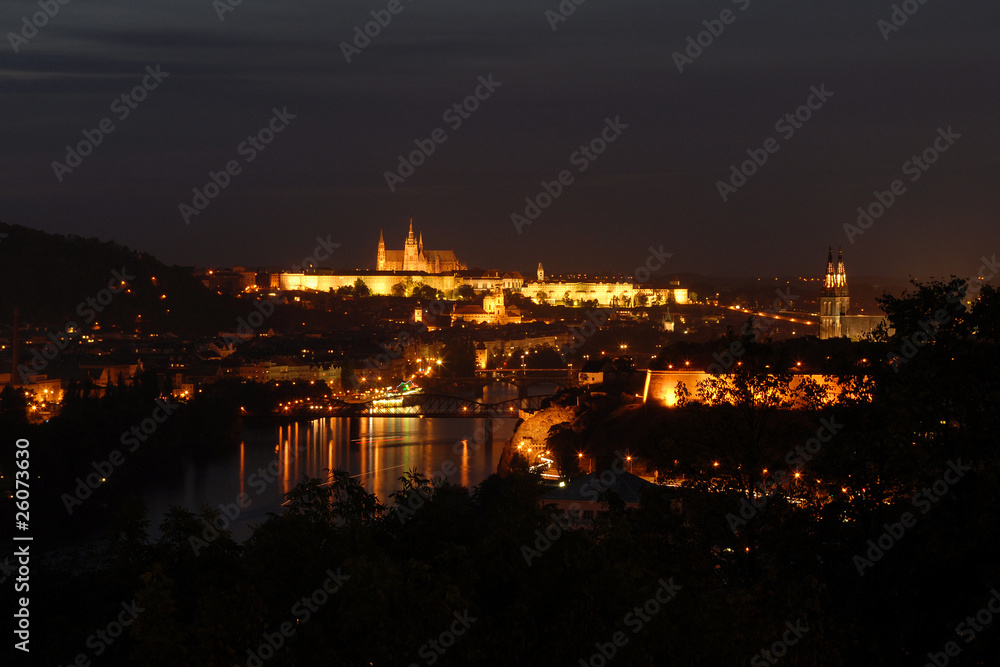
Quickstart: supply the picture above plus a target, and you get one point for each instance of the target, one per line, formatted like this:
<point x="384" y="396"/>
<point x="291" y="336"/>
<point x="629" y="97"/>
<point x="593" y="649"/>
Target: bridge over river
<point x="412" y="405"/>
<point x="419" y="405"/>
<point x="446" y="397"/>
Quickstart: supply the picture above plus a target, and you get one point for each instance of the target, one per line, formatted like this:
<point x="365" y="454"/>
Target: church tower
<point x="541" y="273"/>
<point x="380" y="263"/>
<point x="414" y="258"/>
<point x="834" y="299"/>
<point x="411" y="252"/>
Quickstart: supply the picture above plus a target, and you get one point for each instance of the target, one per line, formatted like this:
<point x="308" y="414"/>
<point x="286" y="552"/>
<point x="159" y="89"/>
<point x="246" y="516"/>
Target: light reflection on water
<point x="378" y="450"/>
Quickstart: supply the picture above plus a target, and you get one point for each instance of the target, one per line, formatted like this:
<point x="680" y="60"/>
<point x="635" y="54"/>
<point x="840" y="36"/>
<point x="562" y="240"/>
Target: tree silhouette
<point x="361" y="289"/>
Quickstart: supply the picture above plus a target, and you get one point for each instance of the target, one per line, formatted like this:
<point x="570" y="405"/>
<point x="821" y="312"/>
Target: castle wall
<point x="603" y="292"/>
<point x="661" y="386"/>
<point x="377" y="284"/>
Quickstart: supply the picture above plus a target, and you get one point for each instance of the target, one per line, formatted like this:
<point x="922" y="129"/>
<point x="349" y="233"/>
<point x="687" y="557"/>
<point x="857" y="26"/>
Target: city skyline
<point x="539" y="332"/>
<point x="323" y="261"/>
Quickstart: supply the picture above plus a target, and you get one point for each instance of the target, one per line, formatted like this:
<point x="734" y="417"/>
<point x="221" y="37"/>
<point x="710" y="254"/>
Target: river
<point x="271" y="460"/>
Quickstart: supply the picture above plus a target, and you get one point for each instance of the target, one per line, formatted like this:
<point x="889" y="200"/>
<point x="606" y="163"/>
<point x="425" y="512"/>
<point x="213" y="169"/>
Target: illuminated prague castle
<point x="608" y="292"/>
<point x="414" y="258"/>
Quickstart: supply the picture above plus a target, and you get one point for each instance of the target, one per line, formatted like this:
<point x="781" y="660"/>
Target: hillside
<point x="50" y="278"/>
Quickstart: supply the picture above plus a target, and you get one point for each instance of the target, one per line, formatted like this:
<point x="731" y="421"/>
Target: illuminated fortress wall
<point x="377" y="284"/>
<point x="661" y="386"/>
<point x="605" y="293"/>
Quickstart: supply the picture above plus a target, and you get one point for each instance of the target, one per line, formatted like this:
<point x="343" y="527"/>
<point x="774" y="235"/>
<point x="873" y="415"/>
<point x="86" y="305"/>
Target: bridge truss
<point x="436" y="405"/>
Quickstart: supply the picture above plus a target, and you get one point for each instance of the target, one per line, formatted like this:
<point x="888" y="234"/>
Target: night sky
<point x="323" y="175"/>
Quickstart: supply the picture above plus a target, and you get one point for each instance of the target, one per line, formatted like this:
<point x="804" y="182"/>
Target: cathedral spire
<point x="828" y="278"/>
<point x="841" y="279"/>
<point x="409" y="236"/>
<point x="380" y="260"/>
